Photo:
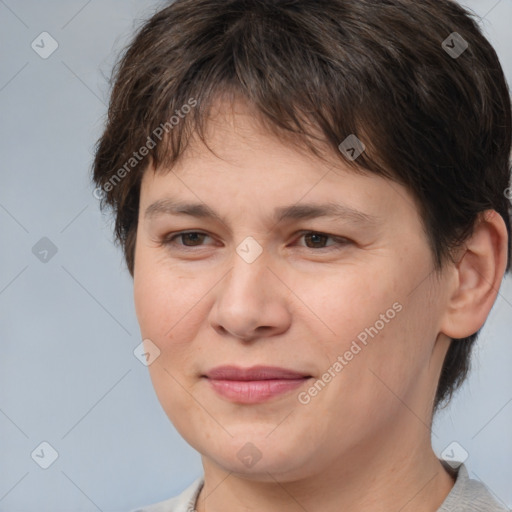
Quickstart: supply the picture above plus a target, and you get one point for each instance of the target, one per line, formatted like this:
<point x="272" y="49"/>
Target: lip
<point x="255" y="384"/>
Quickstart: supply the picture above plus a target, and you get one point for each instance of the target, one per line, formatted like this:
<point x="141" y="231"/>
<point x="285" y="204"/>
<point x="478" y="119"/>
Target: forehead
<point x="235" y="129"/>
<point x="241" y="163"/>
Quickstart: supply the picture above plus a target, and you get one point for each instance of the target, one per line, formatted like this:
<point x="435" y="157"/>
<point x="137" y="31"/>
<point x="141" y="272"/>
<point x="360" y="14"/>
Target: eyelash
<point x="169" y="240"/>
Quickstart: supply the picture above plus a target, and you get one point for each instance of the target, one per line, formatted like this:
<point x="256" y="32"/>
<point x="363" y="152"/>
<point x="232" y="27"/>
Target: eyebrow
<point x="304" y="211"/>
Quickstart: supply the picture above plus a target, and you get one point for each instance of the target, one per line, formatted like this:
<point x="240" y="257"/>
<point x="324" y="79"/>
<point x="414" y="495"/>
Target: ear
<point x="478" y="274"/>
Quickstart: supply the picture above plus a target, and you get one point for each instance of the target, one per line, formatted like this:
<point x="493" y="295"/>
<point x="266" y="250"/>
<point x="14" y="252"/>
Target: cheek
<point x="170" y="309"/>
<point x="394" y="360"/>
<point x="161" y="297"/>
<point x="167" y="317"/>
<point x="378" y="323"/>
<point x="150" y="302"/>
<point x="352" y="304"/>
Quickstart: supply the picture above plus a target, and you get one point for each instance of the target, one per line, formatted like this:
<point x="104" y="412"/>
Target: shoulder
<point x="468" y="495"/>
<point x="184" y="502"/>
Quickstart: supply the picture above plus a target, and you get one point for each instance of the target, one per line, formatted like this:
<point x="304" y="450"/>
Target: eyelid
<point x="170" y="238"/>
<point x="339" y="240"/>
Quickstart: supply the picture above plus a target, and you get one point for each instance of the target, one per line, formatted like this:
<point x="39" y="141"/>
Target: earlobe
<point x="479" y="273"/>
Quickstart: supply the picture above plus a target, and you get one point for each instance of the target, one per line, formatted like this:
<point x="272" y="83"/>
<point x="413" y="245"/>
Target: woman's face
<point x="342" y="310"/>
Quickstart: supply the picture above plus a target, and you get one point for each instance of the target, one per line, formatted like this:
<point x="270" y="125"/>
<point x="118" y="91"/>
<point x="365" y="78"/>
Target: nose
<point x="251" y="301"/>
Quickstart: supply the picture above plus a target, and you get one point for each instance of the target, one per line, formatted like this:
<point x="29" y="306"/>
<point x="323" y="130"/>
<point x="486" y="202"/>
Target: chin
<point x="257" y="456"/>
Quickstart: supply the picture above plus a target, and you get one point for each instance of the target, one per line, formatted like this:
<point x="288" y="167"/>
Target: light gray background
<point x="68" y="329"/>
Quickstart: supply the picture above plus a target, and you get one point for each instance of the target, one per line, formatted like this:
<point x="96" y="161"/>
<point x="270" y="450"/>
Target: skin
<point x="363" y="442"/>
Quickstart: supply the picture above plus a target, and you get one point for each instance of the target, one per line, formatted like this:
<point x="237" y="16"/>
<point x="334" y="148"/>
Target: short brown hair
<point x="438" y="123"/>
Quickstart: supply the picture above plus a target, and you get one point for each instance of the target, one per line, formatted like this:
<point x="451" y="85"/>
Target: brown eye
<point x="194" y="237"/>
<point x="316" y="240"/>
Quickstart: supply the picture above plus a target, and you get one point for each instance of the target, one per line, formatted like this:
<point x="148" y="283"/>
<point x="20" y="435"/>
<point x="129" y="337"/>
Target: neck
<point x="402" y="473"/>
